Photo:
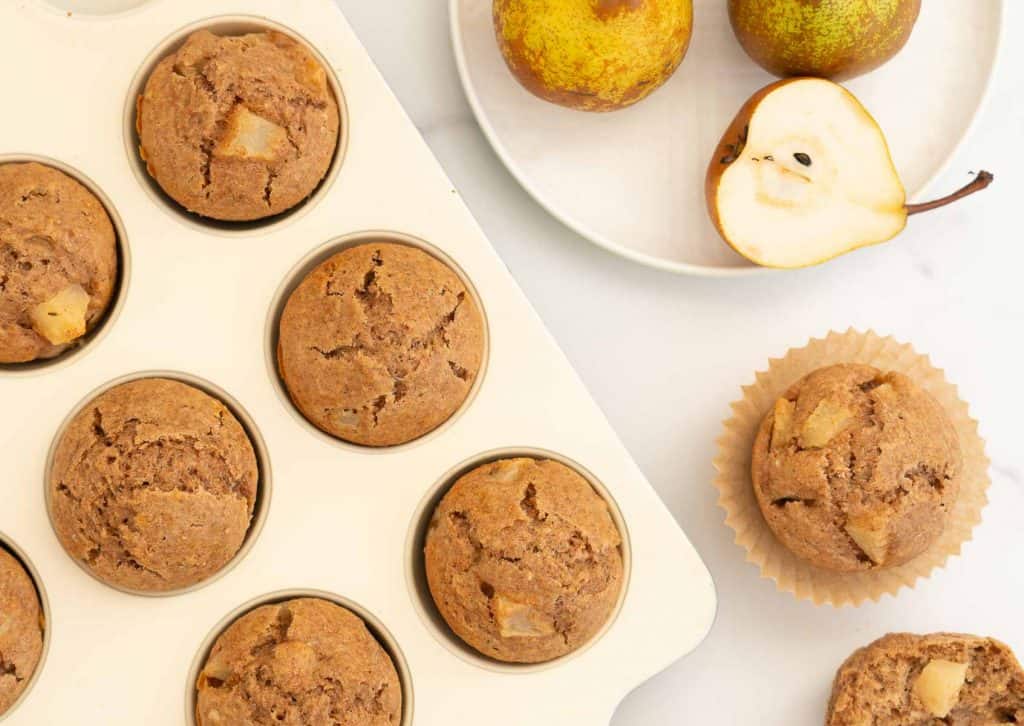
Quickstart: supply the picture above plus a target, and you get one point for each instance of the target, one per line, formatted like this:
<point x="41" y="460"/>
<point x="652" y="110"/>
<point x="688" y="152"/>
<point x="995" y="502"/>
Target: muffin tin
<point x="199" y="300"/>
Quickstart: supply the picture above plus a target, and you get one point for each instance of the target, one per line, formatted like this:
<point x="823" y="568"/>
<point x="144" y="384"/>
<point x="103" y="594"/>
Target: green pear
<point x="835" y="39"/>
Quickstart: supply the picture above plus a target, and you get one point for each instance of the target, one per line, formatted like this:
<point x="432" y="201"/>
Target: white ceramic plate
<point x="633" y="181"/>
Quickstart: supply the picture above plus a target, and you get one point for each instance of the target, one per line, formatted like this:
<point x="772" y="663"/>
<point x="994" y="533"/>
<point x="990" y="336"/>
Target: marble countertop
<point x="664" y="355"/>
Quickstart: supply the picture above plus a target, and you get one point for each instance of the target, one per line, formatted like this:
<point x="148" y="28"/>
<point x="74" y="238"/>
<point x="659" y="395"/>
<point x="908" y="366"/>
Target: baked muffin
<point x="380" y="344"/>
<point x="21" y="630"/>
<point x="855" y="469"/>
<point x="523" y="560"/>
<point x="304" y="661"/>
<point x="238" y="127"/>
<point x="58" y="262"/>
<point x="153" y="485"/>
<point x="920" y="680"/>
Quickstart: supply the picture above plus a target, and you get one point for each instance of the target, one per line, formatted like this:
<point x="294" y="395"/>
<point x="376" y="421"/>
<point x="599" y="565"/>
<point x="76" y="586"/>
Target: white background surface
<point x="664" y="356"/>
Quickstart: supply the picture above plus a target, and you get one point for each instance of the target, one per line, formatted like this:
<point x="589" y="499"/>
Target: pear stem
<point x="981" y="181"/>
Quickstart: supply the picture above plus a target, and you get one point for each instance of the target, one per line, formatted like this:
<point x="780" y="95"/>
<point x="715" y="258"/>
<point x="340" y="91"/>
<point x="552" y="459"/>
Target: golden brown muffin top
<point x="301" y="662"/>
<point x="919" y="680"/>
<point x="238" y="127"/>
<point x="855" y="469"/>
<point x="380" y="344"/>
<point x="58" y="261"/>
<point x="21" y="629"/>
<point x="153" y="485"/>
<point x="523" y="560"/>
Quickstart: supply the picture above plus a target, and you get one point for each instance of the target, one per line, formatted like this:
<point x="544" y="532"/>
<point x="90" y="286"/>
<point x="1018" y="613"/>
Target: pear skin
<point x="837" y="39"/>
<point x="593" y="55"/>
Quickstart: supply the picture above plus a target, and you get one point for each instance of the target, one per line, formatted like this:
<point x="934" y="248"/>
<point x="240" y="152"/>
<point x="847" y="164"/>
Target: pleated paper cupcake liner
<point x="798" y="576"/>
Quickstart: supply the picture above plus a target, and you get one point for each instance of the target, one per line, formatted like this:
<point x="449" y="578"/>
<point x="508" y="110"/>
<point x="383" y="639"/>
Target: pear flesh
<point x="62" y="318"/>
<point x="803" y="174"/>
<point x="807" y="177"/>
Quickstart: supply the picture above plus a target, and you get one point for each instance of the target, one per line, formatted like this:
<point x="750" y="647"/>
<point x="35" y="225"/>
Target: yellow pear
<point x="593" y="55"/>
<point x="803" y="174"/>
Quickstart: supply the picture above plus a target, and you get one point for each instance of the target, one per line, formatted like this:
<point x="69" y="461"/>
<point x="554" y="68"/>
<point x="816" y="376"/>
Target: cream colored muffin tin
<point x="342" y="520"/>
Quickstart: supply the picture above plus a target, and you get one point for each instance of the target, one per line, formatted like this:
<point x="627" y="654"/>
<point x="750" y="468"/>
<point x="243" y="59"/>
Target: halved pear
<point x="804" y="174"/>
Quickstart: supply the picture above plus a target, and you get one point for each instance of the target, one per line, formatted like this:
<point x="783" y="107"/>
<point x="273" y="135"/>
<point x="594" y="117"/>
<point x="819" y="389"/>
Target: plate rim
<point x="661" y="263"/>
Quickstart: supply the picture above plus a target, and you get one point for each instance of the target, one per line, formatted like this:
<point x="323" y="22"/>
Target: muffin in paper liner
<point x="790" y="572"/>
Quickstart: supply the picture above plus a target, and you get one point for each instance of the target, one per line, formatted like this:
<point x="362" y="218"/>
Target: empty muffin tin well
<point x="305" y="266"/>
<point x="415" y="566"/>
<point x="373" y="624"/>
<point x="228" y="25"/>
<point x="261" y="505"/>
<point x="117" y="300"/>
<point x="47" y="624"/>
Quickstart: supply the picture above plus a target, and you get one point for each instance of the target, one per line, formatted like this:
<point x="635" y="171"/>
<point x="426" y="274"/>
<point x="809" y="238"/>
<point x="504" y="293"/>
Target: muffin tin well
<point x="264" y="485"/>
<point x="373" y="624"/>
<point x="227" y="25"/>
<point x="203" y="305"/>
<point x="117" y="301"/>
<point x="306" y="265"/>
<point x="416" y="575"/>
<point x="44" y="607"/>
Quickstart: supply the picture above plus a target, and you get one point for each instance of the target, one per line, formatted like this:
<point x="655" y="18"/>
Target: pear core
<point x="803" y="175"/>
<point x="593" y="55"/>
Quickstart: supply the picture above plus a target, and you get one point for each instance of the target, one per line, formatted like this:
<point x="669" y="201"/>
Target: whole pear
<point x="835" y="39"/>
<point x="593" y="55"/>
